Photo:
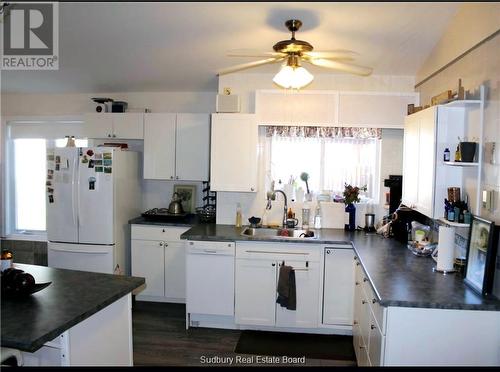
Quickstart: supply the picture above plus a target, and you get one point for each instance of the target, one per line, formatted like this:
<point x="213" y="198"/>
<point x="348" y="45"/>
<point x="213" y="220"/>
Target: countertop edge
<point x="37" y="344"/>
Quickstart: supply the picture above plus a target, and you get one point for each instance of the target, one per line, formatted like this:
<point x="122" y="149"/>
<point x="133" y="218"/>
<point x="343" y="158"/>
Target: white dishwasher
<point x="210" y="278"/>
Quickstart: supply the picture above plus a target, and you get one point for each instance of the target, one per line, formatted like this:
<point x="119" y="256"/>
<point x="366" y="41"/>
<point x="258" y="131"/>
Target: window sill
<point x="30" y="237"/>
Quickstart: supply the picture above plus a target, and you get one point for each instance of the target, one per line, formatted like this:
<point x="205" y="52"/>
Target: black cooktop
<point x="162" y="214"/>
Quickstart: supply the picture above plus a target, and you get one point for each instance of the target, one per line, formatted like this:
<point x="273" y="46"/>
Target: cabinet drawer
<point x="376" y="309"/>
<point x="165" y="233"/>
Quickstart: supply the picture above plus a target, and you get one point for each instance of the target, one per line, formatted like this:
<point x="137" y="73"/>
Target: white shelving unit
<point x="460" y="118"/>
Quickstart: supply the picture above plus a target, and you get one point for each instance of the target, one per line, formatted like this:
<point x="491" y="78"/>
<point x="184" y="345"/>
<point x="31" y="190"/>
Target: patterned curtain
<point x="323" y="132"/>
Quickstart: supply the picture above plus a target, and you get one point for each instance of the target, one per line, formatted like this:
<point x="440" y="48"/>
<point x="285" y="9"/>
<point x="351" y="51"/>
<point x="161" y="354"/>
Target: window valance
<point x="323" y="132"/>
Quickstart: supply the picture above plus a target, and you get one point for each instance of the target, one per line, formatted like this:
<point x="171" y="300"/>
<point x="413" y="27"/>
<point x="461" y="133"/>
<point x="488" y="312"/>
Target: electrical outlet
<point x="227" y="91"/>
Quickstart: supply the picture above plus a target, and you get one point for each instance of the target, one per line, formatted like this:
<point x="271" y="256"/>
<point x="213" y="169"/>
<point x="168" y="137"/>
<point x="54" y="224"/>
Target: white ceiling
<point x="112" y="47"/>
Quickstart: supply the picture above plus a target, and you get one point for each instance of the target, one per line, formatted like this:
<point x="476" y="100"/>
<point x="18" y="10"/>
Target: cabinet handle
<point x="355" y="322"/>
<point x="251" y="189"/>
<point x="163" y="230"/>
<point x="171" y="177"/>
<point x="328" y="251"/>
<point x="114" y="135"/>
<point x="191" y="243"/>
<point x="176" y="177"/>
<point x="273" y="264"/>
<point x="374" y="301"/>
<point x="372" y="326"/>
<point x="355" y="258"/>
<point x="109" y="135"/>
<point x="365" y="279"/>
<point x="363" y="302"/>
<point x="357" y="263"/>
<point x="161" y="244"/>
<point x="357" y="283"/>
<point x="165" y="244"/>
<point x="361" y="347"/>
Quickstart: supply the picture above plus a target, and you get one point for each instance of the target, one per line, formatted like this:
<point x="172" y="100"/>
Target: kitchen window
<point x="331" y="156"/>
<point x="26" y="176"/>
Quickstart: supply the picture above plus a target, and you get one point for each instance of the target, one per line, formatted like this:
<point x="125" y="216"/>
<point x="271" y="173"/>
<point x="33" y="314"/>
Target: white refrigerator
<point x="91" y="193"/>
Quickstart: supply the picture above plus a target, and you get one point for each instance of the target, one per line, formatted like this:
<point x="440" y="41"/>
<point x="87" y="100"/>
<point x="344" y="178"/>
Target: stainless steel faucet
<point x="271" y="196"/>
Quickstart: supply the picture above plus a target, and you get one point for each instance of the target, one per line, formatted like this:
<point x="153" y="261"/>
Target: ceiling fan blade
<point x="245" y="66"/>
<point x="341" y="66"/>
<point x="333" y="54"/>
<point x="253" y="53"/>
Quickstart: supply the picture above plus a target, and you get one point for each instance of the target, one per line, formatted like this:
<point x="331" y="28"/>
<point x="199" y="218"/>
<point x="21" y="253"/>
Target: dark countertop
<point x="190" y="220"/>
<point x="73" y="296"/>
<point x="398" y="277"/>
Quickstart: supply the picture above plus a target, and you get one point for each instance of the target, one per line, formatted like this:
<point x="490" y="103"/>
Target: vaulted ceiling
<point x="111" y="47"/>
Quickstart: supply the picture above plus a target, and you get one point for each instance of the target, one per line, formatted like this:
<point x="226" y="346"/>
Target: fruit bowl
<point x="17" y="283"/>
<point x="422" y="250"/>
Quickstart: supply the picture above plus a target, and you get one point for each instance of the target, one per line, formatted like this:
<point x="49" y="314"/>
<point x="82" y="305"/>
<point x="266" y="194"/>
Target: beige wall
<point x="481" y="66"/>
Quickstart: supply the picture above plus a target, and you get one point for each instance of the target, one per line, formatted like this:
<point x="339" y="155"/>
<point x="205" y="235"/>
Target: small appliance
<point x="401" y="223"/>
<point x="395" y="184"/>
<point x="370" y="222"/>
<point x="119" y="106"/>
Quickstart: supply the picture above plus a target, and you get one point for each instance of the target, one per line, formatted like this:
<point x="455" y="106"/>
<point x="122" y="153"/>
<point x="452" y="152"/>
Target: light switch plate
<point x="488" y="200"/>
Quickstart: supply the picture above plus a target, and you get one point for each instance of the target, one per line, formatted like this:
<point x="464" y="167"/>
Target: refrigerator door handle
<point x="77" y="251"/>
<point x="75" y="189"/>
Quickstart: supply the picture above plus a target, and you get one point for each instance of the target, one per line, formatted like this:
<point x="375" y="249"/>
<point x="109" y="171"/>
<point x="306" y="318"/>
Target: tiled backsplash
<point x="27" y="252"/>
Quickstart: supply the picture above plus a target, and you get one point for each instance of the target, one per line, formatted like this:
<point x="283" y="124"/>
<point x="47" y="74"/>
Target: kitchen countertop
<point x="398" y="277"/>
<point x="73" y="296"/>
<point x="189" y="221"/>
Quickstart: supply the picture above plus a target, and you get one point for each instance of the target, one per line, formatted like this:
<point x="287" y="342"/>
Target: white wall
<point x="155" y="193"/>
<point x="245" y="85"/>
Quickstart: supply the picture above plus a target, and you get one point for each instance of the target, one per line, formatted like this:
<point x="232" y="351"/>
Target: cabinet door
<point x="375" y="343"/>
<point x="233" y="149"/>
<point x="338" y="286"/>
<point x="128" y="125"/>
<point x="427" y="162"/>
<point x="147" y="262"/>
<point x="307" y="293"/>
<point x="159" y="146"/>
<point x="175" y="270"/>
<point x="192" y="147"/>
<point x="255" y="292"/>
<point x="98" y="125"/>
<point x="411" y="159"/>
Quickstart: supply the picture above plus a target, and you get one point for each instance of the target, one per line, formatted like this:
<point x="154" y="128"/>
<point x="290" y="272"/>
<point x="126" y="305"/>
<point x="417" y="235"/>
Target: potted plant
<point x="351" y="196"/>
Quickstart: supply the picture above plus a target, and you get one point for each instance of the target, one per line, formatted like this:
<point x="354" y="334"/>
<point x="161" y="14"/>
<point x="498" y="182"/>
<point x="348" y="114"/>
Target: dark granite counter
<point x="190" y="220"/>
<point x="73" y="296"/>
<point x="398" y="277"/>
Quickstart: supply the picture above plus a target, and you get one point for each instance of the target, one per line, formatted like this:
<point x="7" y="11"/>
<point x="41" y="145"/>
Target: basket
<point x="206" y="214"/>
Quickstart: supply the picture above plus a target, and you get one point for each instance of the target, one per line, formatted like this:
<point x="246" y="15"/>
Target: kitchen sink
<point x="280" y="233"/>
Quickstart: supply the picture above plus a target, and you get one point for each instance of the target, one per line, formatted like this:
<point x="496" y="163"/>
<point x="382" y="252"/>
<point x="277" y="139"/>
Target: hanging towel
<point x="287" y="296"/>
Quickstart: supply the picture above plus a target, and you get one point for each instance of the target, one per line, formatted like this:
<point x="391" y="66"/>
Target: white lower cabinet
<point x="338" y="285"/>
<point x="256" y="279"/>
<point x="158" y="255"/>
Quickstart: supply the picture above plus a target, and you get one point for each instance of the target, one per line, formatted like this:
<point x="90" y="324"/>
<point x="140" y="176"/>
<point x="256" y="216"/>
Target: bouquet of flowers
<point x="351" y="193"/>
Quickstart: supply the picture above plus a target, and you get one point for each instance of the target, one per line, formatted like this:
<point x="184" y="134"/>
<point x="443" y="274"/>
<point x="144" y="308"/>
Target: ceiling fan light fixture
<point x="293" y="77"/>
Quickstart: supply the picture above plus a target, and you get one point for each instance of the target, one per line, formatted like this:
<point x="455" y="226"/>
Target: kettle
<point x="175" y="206"/>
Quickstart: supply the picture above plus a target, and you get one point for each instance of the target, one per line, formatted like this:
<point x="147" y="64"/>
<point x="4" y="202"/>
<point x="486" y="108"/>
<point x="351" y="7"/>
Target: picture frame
<point x="187" y="193"/>
<point x="481" y="255"/>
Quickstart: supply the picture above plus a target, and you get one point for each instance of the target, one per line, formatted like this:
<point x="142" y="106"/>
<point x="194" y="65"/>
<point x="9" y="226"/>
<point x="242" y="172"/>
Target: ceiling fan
<point x="293" y="52"/>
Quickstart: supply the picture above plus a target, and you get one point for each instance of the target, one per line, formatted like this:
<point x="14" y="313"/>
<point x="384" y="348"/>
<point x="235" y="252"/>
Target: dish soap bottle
<point x="458" y="156"/>
<point x="238" y="215"/>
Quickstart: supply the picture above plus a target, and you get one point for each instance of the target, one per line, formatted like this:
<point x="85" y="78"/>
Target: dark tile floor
<point x="161" y="339"/>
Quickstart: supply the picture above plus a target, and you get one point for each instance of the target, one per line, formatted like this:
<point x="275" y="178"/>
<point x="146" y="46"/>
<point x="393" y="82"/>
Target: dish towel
<point x="287" y="296"/>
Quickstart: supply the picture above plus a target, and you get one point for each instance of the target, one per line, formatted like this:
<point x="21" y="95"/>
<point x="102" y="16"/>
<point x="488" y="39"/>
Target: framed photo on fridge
<point x="481" y="255"/>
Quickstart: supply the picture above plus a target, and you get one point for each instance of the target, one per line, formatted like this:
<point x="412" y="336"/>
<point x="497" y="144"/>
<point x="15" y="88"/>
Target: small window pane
<point x="30" y="172"/>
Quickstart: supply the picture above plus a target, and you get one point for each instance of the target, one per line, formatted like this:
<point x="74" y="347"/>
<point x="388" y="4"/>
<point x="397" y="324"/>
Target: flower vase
<point x="351" y="209"/>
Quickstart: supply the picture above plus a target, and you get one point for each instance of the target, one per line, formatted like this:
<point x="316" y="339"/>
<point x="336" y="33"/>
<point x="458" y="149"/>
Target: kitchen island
<point x="403" y="313"/>
<point x="82" y="318"/>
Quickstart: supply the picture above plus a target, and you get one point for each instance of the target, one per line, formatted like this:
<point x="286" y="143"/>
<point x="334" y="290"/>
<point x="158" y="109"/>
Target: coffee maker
<point x="401" y="222"/>
<point x="395" y="184"/>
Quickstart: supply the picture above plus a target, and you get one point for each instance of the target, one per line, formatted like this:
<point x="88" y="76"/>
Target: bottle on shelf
<point x="458" y="157"/>
<point x="238" y="215"/>
<point x="446" y="154"/>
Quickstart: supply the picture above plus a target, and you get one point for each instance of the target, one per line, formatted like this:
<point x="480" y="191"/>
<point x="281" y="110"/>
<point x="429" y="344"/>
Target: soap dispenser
<point x="317" y="217"/>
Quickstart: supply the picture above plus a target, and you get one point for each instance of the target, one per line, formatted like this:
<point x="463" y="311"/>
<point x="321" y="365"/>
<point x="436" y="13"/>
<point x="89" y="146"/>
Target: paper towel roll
<point x="446" y="248"/>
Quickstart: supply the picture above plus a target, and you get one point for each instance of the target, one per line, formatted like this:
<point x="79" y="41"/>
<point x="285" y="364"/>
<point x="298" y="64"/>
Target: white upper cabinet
<point x="159" y="146"/>
<point x="192" y="147"/>
<point x="121" y="125"/>
<point x="419" y="161"/>
<point x="378" y="110"/>
<point x="233" y="165"/>
<point x="176" y="146"/>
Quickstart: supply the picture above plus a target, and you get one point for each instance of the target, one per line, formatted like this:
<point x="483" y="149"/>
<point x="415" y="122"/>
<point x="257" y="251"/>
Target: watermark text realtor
<point x="30" y="36"/>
